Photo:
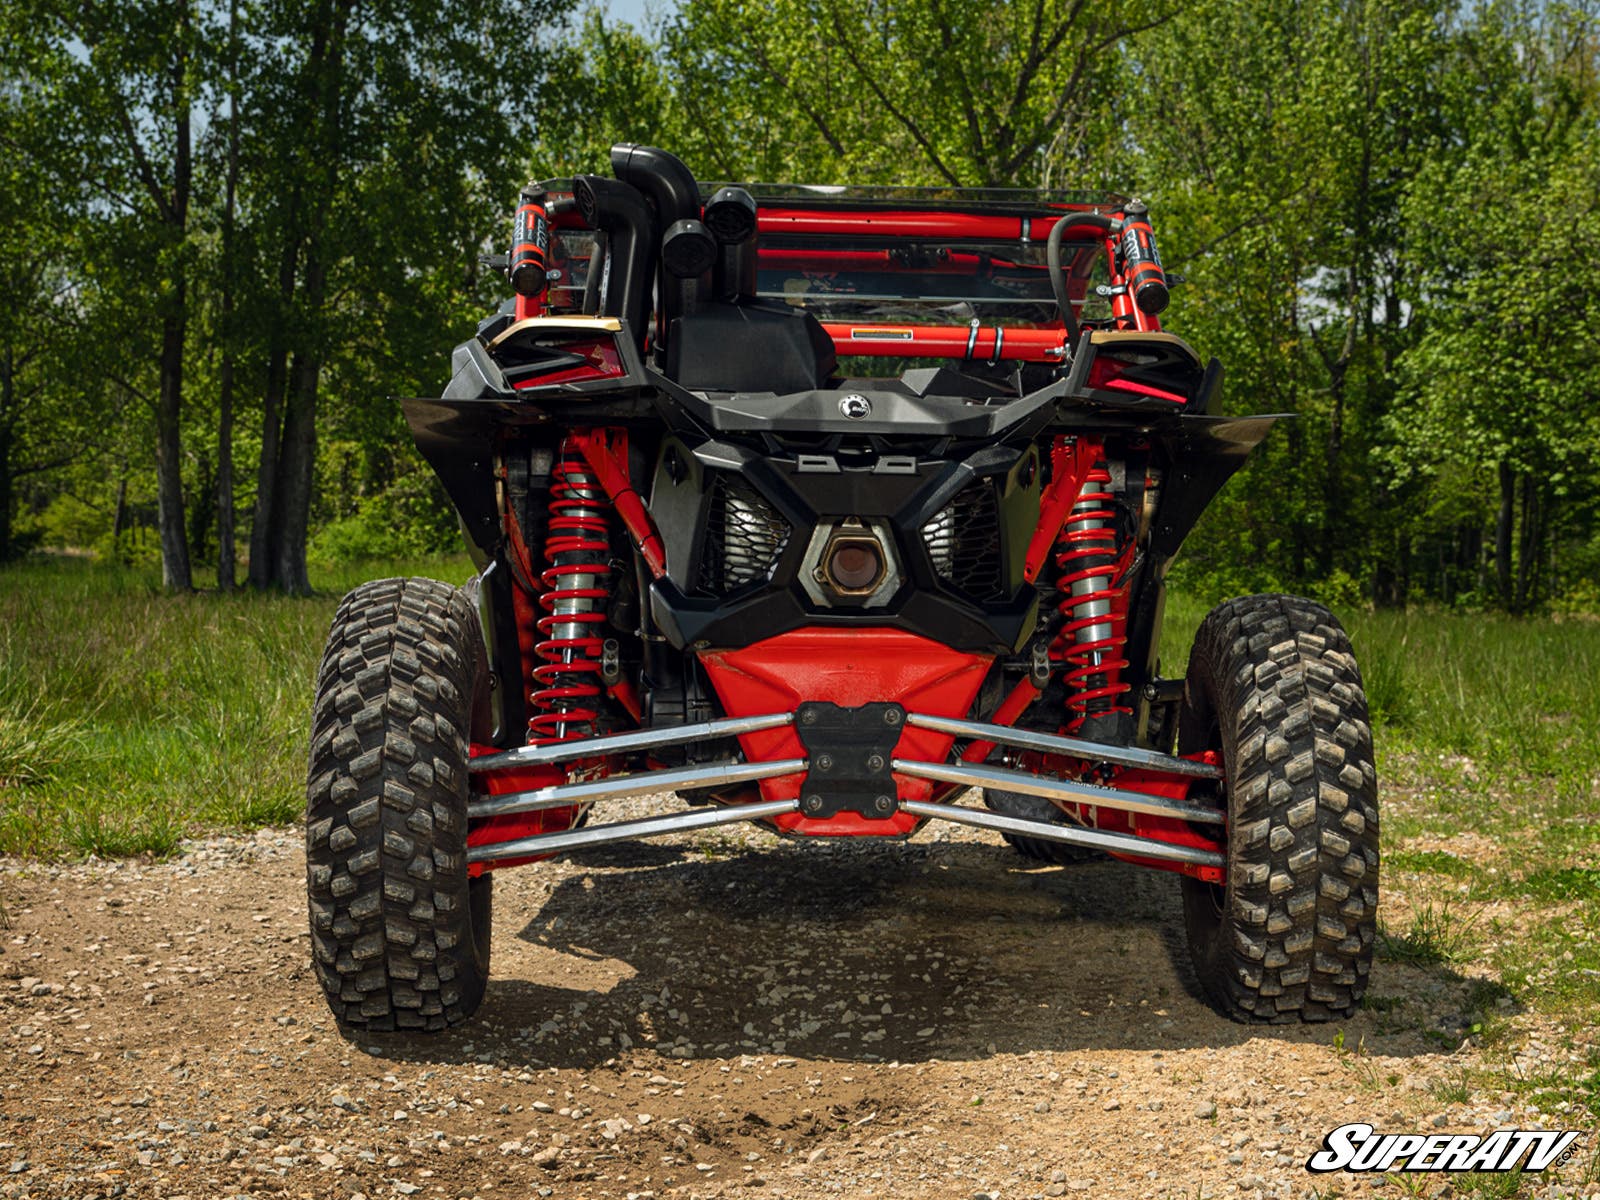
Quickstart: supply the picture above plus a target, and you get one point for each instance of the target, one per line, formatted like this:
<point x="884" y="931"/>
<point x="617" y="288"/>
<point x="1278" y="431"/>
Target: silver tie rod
<point x="1004" y="780"/>
<point x="640" y="783"/>
<point x="1027" y="739"/>
<point x="1072" y="835"/>
<point x="627" y="831"/>
<point x="622" y="743"/>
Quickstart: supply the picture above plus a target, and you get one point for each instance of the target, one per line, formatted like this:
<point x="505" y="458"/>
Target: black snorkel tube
<point x="621" y="212"/>
<point x="731" y="215"/>
<point x="670" y="187"/>
<point x="661" y="177"/>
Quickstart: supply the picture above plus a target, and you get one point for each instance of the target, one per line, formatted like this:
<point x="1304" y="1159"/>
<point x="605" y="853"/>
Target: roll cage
<point x="907" y="273"/>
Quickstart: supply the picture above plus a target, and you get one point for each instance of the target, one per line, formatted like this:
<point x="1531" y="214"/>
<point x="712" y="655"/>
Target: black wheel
<point x="1036" y="808"/>
<point x="399" y="933"/>
<point x="1273" y="685"/>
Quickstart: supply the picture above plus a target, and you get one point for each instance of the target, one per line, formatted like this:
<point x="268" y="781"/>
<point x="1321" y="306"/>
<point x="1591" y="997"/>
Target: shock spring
<point x="564" y="702"/>
<point x="1092" y="559"/>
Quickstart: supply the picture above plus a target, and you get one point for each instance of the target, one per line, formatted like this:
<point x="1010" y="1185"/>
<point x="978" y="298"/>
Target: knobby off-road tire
<point x="1273" y="684"/>
<point x="400" y="935"/>
<point x="1036" y="808"/>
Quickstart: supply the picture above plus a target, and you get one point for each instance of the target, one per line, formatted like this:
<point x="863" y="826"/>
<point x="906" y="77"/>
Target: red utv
<point x="818" y="507"/>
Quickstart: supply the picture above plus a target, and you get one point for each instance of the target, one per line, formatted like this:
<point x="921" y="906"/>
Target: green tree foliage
<point x="931" y="92"/>
<point x="1284" y="184"/>
<point x="383" y="135"/>
<point x="41" y="430"/>
<point x="1387" y="211"/>
<point x="1500" y="391"/>
<point x="304" y="184"/>
<point x="1353" y="190"/>
<point x="607" y="83"/>
<point x="116" y="86"/>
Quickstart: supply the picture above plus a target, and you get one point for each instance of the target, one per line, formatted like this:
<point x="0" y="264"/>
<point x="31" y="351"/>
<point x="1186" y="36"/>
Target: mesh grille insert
<point x="744" y="536"/>
<point x="964" y="542"/>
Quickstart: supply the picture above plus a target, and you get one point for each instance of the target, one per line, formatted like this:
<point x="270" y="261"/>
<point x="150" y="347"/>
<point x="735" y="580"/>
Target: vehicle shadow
<point x="873" y="952"/>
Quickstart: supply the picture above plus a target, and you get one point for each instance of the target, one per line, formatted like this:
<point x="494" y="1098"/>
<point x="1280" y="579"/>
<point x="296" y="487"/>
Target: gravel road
<point x="732" y="1015"/>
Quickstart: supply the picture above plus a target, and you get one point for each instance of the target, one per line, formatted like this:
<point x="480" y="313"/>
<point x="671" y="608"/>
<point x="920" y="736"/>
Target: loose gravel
<point x="692" y="1017"/>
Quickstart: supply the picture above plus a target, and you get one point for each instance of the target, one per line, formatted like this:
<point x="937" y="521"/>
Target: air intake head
<point x="688" y="249"/>
<point x="731" y="215"/>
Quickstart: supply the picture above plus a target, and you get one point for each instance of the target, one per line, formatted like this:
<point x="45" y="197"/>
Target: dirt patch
<point x="693" y="1017"/>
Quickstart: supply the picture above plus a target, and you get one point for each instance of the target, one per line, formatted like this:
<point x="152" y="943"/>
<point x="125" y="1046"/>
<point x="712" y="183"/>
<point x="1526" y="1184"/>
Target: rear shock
<point x="1092" y="558"/>
<point x="577" y="554"/>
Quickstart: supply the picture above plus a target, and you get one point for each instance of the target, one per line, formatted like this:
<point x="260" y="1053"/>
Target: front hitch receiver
<point x="851" y="752"/>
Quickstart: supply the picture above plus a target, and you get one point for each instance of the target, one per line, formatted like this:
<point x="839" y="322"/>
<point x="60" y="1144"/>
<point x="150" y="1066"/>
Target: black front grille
<point x="744" y="536"/>
<point x="964" y="542"/>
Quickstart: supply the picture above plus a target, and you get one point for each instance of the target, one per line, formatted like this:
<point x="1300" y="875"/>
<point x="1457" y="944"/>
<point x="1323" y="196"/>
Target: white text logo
<point x="1359" y="1147"/>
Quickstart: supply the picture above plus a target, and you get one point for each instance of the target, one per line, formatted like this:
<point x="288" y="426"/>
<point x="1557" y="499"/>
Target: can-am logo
<point x="1359" y="1147"/>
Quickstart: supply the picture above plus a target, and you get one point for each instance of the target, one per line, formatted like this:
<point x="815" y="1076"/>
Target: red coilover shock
<point x="1092" y="560"/>
<point x="577" y="555"/>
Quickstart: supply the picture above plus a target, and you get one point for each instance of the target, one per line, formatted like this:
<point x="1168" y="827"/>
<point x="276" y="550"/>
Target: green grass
<point x="129" y="718"/>
<point x="1486" y="727"/>
<point x="1491" y="1187"/>
<point x="1436" y="934"/>
<point x="1432" y="862"/>
<point x="1522" y="695"/>
<point x="35" y="742"/>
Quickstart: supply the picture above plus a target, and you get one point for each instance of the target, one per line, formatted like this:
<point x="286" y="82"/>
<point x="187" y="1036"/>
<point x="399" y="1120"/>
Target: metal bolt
<point x="883" y="804"/>
<point x="813" y="804"/>
<point x="824" y="762"/>
<point x="1150" y="692"/>
<point x="875" y="763"/>
<point x="892" y="716"/>
<point x="808" y="716"/>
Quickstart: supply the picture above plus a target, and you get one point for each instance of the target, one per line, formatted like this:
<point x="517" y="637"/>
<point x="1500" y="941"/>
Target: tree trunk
<point x="119" y="514"/>
<point x="263" y="528"/>
<point x="262" y="539"/>
<point x="1502" y="533"/>
<point x="225" y="518"/>
<point x="175" y="573"/>
<point x="296" y="464"/>
<point x="226" y="552"/>
<point x="204" y="508"/>
<point x="6" y="549"/>
<point x="8" y="406"/>
<point x="1530" y="541"/>
<point x="288" y="492"/>
<point x="1404" y="551"/>
<point x="298" y="453"/>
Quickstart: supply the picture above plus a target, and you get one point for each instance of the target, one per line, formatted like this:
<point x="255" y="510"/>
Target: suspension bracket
<point x="851" y="752"/>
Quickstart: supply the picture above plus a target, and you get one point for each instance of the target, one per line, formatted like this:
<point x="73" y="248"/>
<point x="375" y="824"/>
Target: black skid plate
<point x="850" y="750"/>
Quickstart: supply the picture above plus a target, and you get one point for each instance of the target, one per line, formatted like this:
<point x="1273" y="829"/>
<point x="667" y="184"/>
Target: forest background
<point x="233" y="231"/>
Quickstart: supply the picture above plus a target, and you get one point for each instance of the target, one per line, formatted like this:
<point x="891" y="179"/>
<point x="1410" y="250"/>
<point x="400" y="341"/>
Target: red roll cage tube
<point x="1034" y="342"/>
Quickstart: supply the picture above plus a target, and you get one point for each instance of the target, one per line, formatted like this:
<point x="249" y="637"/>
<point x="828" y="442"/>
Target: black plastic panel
<point x="737" y="348"/>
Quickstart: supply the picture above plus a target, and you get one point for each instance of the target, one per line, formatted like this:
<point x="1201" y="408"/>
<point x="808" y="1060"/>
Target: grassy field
<point x="129" y="719"/>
